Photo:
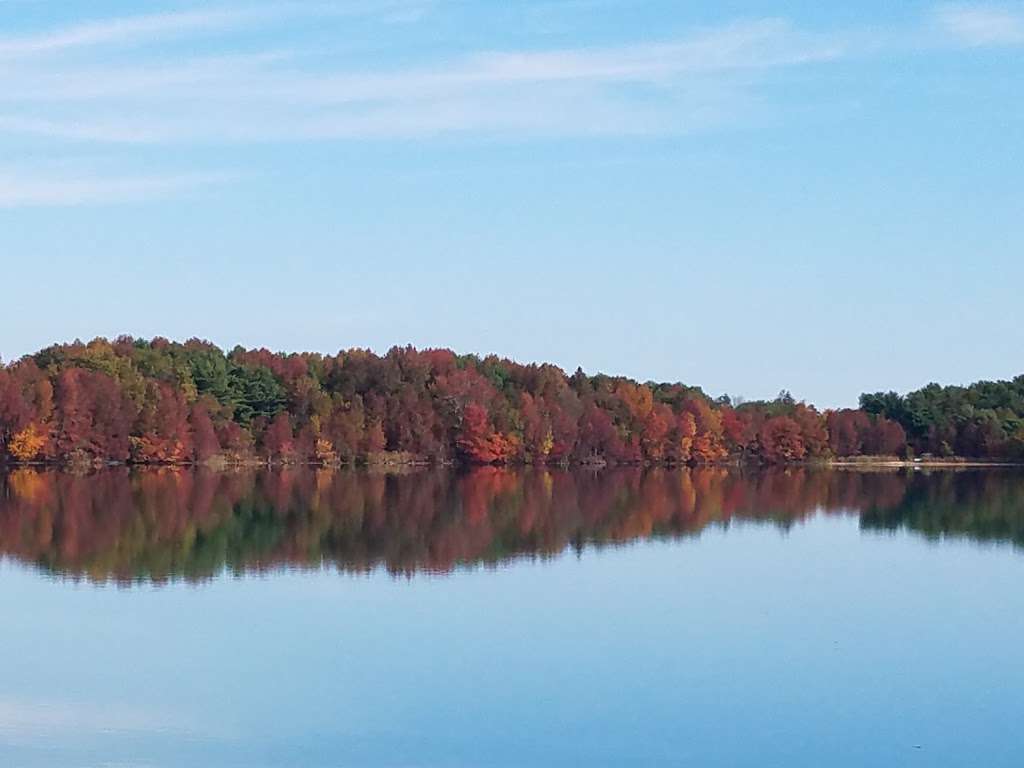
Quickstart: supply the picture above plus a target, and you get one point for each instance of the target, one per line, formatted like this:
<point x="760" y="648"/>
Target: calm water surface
<point x="500" y="618"/>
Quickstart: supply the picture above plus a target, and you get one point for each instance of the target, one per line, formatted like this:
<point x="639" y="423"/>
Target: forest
<point x="161" y="402"/>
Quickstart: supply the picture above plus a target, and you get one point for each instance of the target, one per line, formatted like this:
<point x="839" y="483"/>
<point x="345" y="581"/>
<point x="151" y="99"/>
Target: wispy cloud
<point x="20" y="189"/>
<point x="741" y="47"/>
<point x="982" y="25"/>
<point x="129" y="29"/>
<point x="268" y="97"/>
<point x="112" y="82"/>
<point x="755" y="45"/>
<point x="141" y="29"/>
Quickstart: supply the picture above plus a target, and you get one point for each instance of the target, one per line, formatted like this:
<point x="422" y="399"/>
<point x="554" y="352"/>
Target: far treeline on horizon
<point x="162" y="402"/>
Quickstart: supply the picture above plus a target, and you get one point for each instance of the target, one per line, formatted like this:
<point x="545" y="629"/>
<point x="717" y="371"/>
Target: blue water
<point x="818" y="644"/>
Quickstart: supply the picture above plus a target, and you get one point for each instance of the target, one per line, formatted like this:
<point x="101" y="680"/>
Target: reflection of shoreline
<point x="159" y="524"/>
<point x="920" y="463"/>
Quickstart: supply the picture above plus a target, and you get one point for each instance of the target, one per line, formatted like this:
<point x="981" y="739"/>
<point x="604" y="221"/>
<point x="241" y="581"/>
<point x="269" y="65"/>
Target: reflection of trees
<point x="980" y="505"/>
<point x="159" y="524"/>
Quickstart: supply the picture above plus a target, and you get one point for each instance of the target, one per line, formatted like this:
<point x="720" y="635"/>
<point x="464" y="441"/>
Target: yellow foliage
<point x="325" y="450"/>
<point x="548" y="444"/>
<point x="27" y="444"/>
<point x="638" y="399"/>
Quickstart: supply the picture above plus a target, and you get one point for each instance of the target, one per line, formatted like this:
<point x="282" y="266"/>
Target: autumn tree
<point x="781" y="441"/>
<point x="278" y="440"/>
<point x="160" y="401"/>
<point x="204" y="437"/>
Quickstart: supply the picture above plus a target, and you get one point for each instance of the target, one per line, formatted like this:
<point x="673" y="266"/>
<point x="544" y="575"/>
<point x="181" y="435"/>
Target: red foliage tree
<point x="846" y="431"/>
<point x="374" y="441"/>
<point x="204" y="438"/>
<point x="278" y="440"/>
<point x="887" y="438"/>
<point x="479" y="442"/>
<point x="657" y="426"/>
<point x="162" y="433"/>
<point x="781" y="441"/>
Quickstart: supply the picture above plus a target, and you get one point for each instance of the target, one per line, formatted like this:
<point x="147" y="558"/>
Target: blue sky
<point x="743" y="195"/>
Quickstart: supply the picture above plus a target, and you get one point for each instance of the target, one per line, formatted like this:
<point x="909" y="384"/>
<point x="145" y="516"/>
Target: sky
<point x="740" y="195"/>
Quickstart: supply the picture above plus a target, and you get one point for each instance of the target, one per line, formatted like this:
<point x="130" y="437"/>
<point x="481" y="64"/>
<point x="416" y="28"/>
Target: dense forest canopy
<point x="162" y="402"/>
<point x="984" y="419"/>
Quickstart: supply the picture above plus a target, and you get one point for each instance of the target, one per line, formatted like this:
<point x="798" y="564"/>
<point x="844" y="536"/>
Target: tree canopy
<point x="164" y="402"/>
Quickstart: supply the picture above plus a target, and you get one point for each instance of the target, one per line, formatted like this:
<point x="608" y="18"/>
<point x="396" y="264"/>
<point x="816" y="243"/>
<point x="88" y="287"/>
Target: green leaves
<point x="248" y="391"/>
<point x="255" y="392"/>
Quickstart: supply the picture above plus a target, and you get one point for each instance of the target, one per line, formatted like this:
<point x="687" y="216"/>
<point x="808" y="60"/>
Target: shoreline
<point x="868" y="463"/>
<point x="921" y="463"/>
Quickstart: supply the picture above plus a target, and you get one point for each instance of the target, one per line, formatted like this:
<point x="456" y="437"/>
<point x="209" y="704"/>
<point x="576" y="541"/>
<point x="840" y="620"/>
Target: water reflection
<point x="127" y="525"/>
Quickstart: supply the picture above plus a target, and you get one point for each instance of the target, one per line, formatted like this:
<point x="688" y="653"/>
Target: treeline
<point x="161" y="402"/>
<point x="985" y="419"/>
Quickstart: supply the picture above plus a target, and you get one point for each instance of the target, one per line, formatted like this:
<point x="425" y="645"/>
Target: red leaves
<point x="480" y="443"/>
<point x="887" y="438"/>
<point x="855" y="433"/>
<point x="598" y="438"/>
<point x="846" y="431"/>
<point x="204" y="437"/>
<point x="278" y="440"/>
<point x="94" y="417"/>
<point x="162" y="434"/>
<point x="375" y="441"/>
<point x="657" y="426"/>
<point x="164" y="402"/>
<point x="781" y="441"/>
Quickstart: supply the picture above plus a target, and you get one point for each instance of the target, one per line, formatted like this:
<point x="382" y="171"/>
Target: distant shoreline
<point x="922" y="463"/>
<point x="159" y="402"/>
<point x="404" y="461"/>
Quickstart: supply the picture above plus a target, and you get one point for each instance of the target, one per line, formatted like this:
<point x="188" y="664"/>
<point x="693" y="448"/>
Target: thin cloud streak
<point x="754" y="46"/>
<point x="144" y="28"/>
<point x="982" y="25"/>
<point x="278" y="96"/>
<point x="266" y="97"/>
<point x="140" y="82"/>
<point x="133" y="29"/>
<point x="18" y="189"/>
<point x="543" y="112"/>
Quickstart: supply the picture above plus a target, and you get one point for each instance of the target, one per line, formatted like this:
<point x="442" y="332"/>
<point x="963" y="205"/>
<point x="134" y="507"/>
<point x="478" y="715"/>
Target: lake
<point x="489" y="617"/>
